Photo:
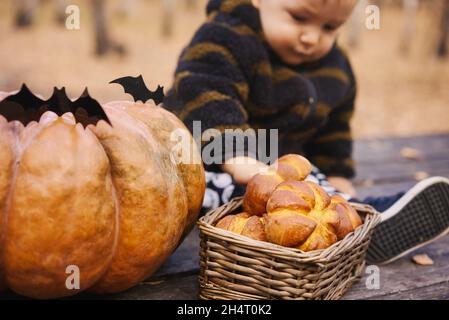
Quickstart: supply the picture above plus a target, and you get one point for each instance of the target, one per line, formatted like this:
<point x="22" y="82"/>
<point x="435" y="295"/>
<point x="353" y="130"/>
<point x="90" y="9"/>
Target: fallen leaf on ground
<point x="422" y="259"/>
<point x="411" y="153"/>
<point x="421" y="175"/>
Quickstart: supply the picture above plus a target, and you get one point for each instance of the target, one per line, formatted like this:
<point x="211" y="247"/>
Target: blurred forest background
<point x="402" y="69"/>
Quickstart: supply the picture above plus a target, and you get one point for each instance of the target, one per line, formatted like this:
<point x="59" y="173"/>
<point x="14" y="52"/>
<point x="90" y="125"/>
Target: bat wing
<point x="158" y="96"/>
<point x="135" y="86"/>
<point x="89" y="109"/>
<point x="25" y="107"/>
<point x="59" y="103"/>
<point x="26" y="99"/>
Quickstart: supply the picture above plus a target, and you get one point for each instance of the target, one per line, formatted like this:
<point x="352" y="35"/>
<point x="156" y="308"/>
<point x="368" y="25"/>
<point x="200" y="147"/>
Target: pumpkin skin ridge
<point x="99" y="267"/>
<point x="119" y="277"/>
<point x="199" y="171"/>
<point x="117" y="225"/>
<point x="186" y="171"/>
<point x="71" y="118"/>
<point x="17" y="126"/>
<point x="15" y="129"/>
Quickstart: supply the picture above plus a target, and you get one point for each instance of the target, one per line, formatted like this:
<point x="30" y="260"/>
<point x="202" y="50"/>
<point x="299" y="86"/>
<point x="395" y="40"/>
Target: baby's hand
<point x="343" y="185"/>
<point x="242" y="169"/>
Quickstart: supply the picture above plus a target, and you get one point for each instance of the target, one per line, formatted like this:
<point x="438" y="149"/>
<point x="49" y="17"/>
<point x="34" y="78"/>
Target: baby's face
<point x="302" y="31"/>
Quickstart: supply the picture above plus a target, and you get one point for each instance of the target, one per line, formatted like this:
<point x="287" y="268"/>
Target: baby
<point x="275" y="64"/>
<point x="267" y="64"/>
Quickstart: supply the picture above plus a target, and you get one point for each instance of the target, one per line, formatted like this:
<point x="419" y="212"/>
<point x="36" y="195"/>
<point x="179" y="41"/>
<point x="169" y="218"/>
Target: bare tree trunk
<point x="60" y="14"/>
<point x="410" y="8"/>
<point x="101" y="31"/>
<point x="125" y="8"/>
<point x="167" y="19"/>
<point x="103" y="41"/>
<point x="442" y="46"/>
<point x="26" y="11"/>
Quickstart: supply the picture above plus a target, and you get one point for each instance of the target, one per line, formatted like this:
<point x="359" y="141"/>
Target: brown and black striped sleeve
<point x="330" y="149"/>
<point x="211" y="88"/>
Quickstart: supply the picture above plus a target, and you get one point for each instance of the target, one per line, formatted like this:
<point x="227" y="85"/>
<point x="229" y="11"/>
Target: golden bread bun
<point x="290" y="167"/>
<point x="302" y="215"/>
<point x="245" y="225"/>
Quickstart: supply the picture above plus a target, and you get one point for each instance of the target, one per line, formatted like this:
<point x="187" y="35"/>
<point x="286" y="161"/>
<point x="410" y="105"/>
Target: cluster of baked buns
<point x="280" y="207"/>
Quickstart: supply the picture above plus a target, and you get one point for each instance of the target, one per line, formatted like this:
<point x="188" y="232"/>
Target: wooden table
<point x="382" y="170"/>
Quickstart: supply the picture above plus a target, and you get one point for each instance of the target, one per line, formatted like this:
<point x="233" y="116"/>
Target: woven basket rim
<point x="320" y="257"/>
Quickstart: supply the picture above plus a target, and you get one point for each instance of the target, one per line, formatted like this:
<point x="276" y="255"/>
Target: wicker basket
<point x="236" y="267"/>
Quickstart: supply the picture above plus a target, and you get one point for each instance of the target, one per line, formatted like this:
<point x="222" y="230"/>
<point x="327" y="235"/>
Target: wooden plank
<point x="389" y="149"/>
<point x="381" y="160"/>
<point x="185" y="258"/>
<point x="384" y="189"/>
<point x="8" y="295"/>
<point x="387" y="188"/>
<point x="397" y="171"/>
<point x="434" y="292"/>
<point x="181" y="287"/>
<point x="403" y="278"/>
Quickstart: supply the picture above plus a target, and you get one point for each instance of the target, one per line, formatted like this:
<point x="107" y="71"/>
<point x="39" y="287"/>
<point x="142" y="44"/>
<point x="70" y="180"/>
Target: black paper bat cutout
<point x="25" y="107"/>
<point x="136" y="87"/>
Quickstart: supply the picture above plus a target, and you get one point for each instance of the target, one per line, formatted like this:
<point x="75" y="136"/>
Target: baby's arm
<point x="211" y="89"/>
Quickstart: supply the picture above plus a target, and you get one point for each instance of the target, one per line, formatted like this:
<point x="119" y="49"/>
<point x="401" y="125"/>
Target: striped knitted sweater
<point x="228" y="77"/>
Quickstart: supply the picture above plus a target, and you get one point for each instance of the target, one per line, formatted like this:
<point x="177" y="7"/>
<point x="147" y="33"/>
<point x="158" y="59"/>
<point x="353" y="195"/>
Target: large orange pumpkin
<point x="109" y="200"/>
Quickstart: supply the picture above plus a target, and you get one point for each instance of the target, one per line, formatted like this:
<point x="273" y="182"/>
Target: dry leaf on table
<point x="411" y="153"/>
<point x="421" y="175"/>
<point x="422" y="259"/>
